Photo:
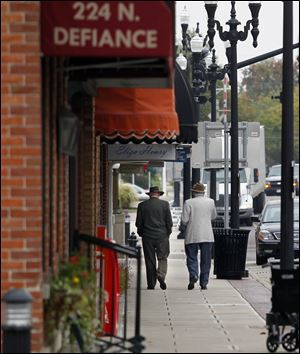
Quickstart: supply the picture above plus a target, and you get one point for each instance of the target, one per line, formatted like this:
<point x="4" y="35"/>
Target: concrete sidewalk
<point x="217" y="320"/>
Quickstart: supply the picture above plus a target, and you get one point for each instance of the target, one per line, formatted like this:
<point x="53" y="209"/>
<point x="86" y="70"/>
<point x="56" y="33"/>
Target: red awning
<point x="136" y="114"/>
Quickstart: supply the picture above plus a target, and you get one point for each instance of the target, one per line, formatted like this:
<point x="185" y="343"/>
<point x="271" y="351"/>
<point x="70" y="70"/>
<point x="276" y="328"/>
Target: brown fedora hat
<point x="198" y="188"/>
<point x="154" y="190"/>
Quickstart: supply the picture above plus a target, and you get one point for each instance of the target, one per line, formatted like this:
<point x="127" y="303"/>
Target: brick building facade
<point x="21" y="156"/>
<point x="48" y="195"/>
<point x="35" y="177"/>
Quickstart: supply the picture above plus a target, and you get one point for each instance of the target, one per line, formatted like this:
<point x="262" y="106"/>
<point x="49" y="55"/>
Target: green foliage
<point x="125" y="277"/>
<point x="72" y="295"/>
<point x="156" y="180"/>
<point x="260" y="82"/>
<point x="204" y="109"/>
<point x="263" y="78"/>
<point x="142" y="180"/>
<point x="127" y="196"/>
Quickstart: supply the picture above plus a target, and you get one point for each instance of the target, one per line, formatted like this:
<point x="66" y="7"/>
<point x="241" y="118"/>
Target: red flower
<point x="85" y="274"/>
<point x="74" y="260"/>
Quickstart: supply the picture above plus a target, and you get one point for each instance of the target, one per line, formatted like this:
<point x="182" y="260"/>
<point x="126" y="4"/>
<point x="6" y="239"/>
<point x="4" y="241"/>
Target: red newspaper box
<point x="109" y="281"/>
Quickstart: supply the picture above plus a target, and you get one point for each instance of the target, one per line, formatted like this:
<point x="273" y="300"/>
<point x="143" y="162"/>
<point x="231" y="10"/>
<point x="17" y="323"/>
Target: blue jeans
<point x="191" y="251"/>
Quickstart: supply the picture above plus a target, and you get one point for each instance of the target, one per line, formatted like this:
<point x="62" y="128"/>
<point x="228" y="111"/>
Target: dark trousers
<point x="153" y="249"/>
<point x="191" y="251"/>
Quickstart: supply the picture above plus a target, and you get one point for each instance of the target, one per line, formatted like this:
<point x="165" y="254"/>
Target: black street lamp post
<point x="212" y="75"/>
<point x="202" y="74"/>
<point x="233" y="36"/>
<point x="195" y="52"/>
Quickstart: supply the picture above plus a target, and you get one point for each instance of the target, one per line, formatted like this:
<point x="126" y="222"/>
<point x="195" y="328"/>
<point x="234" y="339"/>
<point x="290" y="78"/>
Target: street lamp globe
<point x="181" y="61"/>
<point x="184" y="17"/>
<point x="197" y="44"/>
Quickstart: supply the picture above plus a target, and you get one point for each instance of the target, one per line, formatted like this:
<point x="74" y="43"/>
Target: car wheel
<point x="261" y="259"/>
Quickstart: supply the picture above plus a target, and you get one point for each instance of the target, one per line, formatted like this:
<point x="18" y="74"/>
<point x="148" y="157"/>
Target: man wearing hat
<point x="154" y="226"/>
<point x="196" y="215"/>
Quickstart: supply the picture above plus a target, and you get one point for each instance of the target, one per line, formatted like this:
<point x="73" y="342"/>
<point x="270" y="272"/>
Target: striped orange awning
<point x="136" y="114"/>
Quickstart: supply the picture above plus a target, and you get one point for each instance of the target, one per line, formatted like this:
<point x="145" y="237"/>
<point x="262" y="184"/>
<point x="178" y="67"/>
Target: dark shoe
<point x="162" y="284"/>
<point x="192" y="283"/>
<point x="191" y="286"/>
<point x="203" y="287"/>
<point x="150" y="287"/>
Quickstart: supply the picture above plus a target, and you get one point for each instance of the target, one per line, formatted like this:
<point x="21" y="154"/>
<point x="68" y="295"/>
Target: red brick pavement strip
<point x="256" y="294"/>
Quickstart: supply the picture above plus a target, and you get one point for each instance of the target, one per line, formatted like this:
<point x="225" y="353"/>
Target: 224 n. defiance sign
<point x="106" y="28"/>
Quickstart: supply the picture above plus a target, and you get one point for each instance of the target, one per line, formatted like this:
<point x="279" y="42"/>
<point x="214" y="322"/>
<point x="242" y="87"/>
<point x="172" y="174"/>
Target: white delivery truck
<point x="209" y="154"/>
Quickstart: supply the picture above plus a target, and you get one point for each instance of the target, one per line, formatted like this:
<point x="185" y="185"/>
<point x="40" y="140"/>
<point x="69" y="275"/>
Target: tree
<point x="265" y="78"/>
<point x="260" y="82"/>
<point x="262" y="79"/>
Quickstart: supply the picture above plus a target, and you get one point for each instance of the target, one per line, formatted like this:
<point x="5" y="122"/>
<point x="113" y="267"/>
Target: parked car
<point x="139" y="191"/>
<point x="267" y="233"/>
<point x="273" y="180"/>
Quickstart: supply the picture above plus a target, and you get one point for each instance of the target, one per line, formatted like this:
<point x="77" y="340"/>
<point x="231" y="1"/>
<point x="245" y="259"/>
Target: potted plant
<point x="72" y="301"/>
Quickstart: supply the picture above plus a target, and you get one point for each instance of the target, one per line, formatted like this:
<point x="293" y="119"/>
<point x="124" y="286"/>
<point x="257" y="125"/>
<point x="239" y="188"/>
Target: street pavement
<point x="227" y="317"/>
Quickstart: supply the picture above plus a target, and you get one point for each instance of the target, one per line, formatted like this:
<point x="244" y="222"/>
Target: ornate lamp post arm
<point x="233" y="35"/>
<point x="211" y="7"/>
<point x="254" y="8"/>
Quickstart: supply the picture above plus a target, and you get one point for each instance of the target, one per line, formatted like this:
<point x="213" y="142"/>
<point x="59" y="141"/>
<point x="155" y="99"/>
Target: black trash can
<point x="230" y="251"/>
<point x="217" y="223"/>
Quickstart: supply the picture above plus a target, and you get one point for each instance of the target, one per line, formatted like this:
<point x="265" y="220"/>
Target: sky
<point x="270" y="26"/>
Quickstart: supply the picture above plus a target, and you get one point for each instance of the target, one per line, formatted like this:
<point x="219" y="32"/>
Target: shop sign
<point x="106" y="28"/>
<point x="181" y="155"/>
<point x="142" y="152"/>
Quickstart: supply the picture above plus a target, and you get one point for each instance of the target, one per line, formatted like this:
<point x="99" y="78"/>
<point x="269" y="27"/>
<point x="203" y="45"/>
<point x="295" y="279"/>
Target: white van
<point x="246" y="200"/>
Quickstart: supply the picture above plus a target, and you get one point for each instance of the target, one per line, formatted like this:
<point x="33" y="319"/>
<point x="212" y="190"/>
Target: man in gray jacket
<point x="154" y="226"/>
<point x="196" y="216"/>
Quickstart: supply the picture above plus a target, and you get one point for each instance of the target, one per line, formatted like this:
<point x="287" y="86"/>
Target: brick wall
<point x="55" y="169"/>
<point x="89" y="171"/>
<point x="34" y="175"/>
<point x="21" y="155"/>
